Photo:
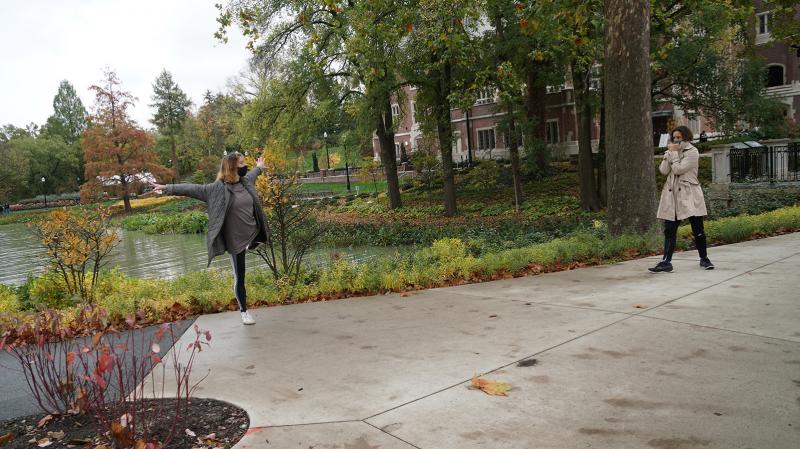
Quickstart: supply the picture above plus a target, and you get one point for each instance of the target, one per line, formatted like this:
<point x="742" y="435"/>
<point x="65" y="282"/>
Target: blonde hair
<point x="229" y="168"/>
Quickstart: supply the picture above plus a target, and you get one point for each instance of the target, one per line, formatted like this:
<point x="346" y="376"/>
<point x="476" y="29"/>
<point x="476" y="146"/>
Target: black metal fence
<point x="765" y="164"/>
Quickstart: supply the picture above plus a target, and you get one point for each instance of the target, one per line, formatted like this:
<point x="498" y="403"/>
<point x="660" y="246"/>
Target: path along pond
<point x="148" y="256"/>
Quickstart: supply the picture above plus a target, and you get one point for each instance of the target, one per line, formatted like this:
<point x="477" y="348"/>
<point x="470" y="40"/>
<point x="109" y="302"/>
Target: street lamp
<point x="327" y="155"/>
<point x="346" y="165"/>
<point x="44" y="190"/>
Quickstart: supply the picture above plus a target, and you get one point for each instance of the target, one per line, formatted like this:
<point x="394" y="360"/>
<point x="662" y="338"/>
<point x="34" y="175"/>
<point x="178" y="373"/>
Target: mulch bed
<point x="210" y="424"/>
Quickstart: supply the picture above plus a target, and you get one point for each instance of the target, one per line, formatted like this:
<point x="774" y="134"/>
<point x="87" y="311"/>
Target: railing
<point x="765" y="164"/>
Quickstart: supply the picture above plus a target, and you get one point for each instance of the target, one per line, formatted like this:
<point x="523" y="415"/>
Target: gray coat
<point x="217" y="197"/>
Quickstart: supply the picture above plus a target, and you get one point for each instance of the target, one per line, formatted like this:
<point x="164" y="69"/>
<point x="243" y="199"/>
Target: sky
<point x="46" y="41"/>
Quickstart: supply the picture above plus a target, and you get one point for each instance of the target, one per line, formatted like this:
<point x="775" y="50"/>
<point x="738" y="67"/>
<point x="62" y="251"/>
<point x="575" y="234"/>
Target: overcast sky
<point x="46" y="41"/>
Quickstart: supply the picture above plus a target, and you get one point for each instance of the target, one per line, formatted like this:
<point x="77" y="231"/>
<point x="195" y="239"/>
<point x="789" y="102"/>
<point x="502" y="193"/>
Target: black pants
<point x="671" y="237"/>
<point x="237" y="261"/>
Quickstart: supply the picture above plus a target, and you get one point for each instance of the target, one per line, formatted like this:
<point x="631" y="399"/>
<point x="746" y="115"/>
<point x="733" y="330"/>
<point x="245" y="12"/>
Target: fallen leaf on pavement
<point x="7" y="438"/>
<point x="79" y="442"/>
<point x="490" y="387"/>
<point x="190" y="433"/>
<point x="44" y="442"/>
<point x="639" y="306"/>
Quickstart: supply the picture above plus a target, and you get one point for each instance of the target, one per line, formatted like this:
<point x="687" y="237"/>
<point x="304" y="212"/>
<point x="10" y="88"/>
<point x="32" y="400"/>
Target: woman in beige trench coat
<point x="681" y="198"/>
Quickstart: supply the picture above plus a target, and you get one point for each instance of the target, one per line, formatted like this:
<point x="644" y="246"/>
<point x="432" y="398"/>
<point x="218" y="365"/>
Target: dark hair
<point x="685" y="132"/>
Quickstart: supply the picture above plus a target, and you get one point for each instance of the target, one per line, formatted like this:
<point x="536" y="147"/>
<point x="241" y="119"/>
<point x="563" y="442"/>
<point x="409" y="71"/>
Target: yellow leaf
<point x="490" y="387"/>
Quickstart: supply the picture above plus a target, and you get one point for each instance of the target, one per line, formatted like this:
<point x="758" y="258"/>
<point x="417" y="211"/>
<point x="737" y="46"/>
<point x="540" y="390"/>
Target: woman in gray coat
<point x="681" y="198"/>
<point x="236" y="221"/>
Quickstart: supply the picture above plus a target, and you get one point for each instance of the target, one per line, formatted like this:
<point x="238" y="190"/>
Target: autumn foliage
<point x="116" y="151"/>
<point x="120" y="379"/>
<point x="77" y="244"/>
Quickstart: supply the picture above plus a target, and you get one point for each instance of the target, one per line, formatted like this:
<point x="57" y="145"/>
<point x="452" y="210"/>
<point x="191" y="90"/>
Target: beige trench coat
<point x="682" y="196"/>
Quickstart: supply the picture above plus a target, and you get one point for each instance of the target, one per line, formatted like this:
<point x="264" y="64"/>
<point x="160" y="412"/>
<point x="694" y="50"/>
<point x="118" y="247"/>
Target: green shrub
<point x="484" y="176"/>
<point x="758" y="200"/>
<point x="9" y="302"/>
<point x="161" y="223"/>
<point x="736" y="229"/>
<point x="50" y="291"/>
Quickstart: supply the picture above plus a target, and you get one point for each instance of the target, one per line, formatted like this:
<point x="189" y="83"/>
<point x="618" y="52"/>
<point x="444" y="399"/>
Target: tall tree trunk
<point x="386" y="139"/>
<point x="444" y="129"/>
<point x="536" y="112"/>
<point x="126" y="196"/>
<point x="629" y="154"/>
<point x="580" y="81"/>
<point x="513" y="144"/>
<point x="513" y="151"/>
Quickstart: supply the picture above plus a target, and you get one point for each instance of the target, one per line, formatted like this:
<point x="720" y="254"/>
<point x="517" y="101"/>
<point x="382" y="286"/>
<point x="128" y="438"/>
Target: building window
<point x="775" y="75"/>
<point x="555" y="89"/>
<point x="763" y="23"/>
<point x="397" y="151"/>
<point x="594" y="81"/>
<point x="552" y="131"/>
<point x="486" y="139"/>
<point x="395" y="113"/>
<point x="413" y="113"/>
<point x="485" y="96"/>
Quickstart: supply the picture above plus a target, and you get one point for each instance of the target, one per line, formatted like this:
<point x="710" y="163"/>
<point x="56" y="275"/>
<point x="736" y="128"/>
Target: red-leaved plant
<point x="119" y="378"/>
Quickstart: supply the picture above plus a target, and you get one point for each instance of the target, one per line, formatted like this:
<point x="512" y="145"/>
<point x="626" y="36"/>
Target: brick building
<point x="477" y="130"/>
<point x="782" y="64"/>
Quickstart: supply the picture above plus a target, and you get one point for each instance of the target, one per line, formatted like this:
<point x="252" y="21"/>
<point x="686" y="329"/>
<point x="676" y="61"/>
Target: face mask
<point x="677" y="141"/>
<point x="242" y="171"/>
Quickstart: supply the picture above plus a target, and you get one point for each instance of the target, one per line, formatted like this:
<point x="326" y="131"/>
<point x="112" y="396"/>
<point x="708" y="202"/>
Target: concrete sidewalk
<point x="626" y="359"/>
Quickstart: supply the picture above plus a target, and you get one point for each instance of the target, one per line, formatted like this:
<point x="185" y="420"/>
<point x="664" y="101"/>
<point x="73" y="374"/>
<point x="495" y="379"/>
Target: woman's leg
<point x="237" y="261"/>
<point x="670" y="238"/>
<point x="699" y="236"/>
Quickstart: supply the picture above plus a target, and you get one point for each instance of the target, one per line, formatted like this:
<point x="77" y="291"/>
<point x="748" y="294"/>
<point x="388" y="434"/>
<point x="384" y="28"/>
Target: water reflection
<point x="146" y="256"/>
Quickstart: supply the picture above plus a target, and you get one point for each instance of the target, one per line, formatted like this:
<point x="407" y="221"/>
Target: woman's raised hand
<point x="159" y="188"/>
<point x="260" y="163"/>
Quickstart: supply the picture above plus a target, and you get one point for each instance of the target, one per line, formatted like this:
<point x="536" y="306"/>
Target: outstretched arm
<point x="197" y="191"/>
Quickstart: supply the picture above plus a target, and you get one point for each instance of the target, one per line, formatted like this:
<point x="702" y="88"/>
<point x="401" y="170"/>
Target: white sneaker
<point x="247" y="318"/>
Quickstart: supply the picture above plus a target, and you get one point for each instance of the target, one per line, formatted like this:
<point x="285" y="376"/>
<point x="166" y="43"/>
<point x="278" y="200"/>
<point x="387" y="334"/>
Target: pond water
<point x="148" y="256"/>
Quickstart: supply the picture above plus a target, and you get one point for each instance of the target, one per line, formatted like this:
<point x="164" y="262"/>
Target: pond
<point x="148" y="256"/>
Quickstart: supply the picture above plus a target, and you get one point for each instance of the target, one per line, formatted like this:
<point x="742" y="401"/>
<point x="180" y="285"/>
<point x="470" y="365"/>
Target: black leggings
<point x="237" y="260"/>
<point x="671" y="237"/>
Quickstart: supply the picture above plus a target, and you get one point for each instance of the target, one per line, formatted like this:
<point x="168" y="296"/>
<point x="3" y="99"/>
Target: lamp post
<point x="346" y="166"/>
<point x="327" y="155"/>
<point x="44" y="190"/>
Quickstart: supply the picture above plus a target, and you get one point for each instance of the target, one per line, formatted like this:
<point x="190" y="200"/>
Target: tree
<point x="52" y="159"/>
<point x="629" y="161"/>
<point x="172" y="106"/>
<point x="14" y="172"/>
<point x="581" y="25"/>
<point x="704" y="61"/>
<point x="69" y="116"/>
<point x="116" y="151"/>
<point x="354" y="43"/>
<point x="784" y="24"/>
<point x="442" y="59"/>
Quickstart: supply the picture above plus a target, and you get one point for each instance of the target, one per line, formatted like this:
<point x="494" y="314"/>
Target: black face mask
<point x="242" y="171"/>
